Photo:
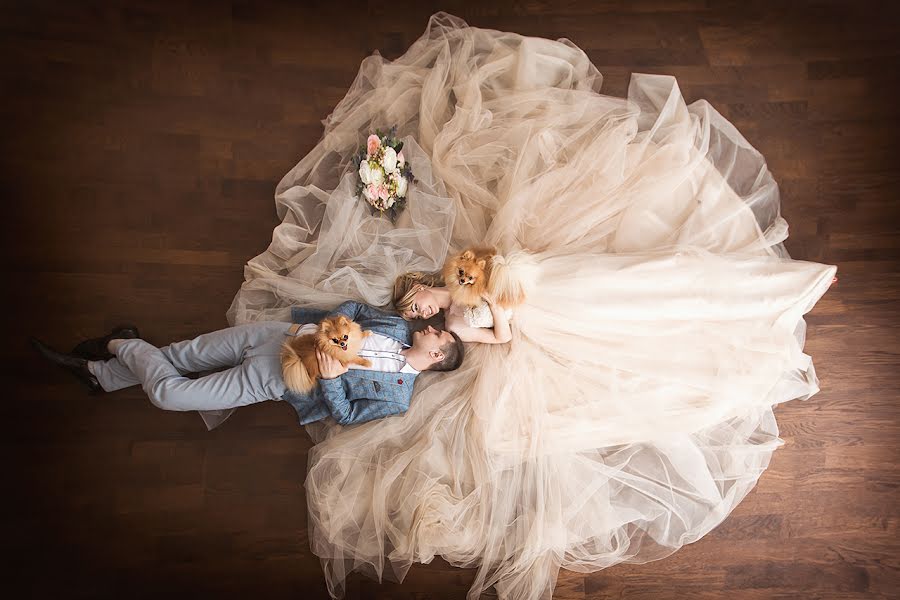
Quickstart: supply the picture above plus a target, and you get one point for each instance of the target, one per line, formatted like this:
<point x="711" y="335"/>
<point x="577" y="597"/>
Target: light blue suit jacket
<point x="358" y="395"/>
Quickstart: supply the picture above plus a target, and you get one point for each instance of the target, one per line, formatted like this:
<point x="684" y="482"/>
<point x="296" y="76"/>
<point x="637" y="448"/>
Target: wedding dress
<point x="632" y="410"/>
<point x="481" y="316"/>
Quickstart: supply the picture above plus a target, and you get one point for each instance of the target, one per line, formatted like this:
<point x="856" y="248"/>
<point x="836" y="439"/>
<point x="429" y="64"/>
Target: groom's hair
<point x="453" y="355"/>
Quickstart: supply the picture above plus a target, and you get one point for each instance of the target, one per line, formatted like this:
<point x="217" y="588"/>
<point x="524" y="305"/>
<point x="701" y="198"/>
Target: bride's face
<point x="424" y="305"/>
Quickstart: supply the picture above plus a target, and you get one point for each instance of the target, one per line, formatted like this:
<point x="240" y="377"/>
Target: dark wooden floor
<point x="141" y="144"/>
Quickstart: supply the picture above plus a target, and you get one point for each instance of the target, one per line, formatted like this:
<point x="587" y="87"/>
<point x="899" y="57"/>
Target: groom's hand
<point x="329" y="367"/>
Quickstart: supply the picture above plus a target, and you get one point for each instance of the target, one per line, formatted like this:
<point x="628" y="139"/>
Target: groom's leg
<point x="206" y="352"/>
<point x="222" y="348"/>
<point x="112" y="374"/>
<point x="170" y="390"/>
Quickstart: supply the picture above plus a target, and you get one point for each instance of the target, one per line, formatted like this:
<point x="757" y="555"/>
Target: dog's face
<point x="467" y="270"/>
<point x="340" y="335"/>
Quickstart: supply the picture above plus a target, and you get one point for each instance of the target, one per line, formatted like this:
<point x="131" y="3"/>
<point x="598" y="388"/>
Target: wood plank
<point x="142" y="144"/>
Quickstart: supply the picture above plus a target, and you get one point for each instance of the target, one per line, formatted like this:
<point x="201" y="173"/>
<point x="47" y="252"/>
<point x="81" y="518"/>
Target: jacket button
<point x="400" y="381"/>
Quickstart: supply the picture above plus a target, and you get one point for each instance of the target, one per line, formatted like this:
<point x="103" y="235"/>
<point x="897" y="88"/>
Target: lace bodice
<point x="481" y="316"/>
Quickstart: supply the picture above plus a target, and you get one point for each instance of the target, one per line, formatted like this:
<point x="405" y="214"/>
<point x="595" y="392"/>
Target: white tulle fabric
<point x="632" y="410"/>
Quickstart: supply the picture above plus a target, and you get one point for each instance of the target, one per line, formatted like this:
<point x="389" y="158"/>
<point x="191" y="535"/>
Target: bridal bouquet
<point x="384" y="174"/>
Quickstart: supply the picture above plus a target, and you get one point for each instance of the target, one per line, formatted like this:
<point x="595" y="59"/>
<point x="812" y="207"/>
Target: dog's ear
<point x="481" y="263"/>
<point x="343" y="321"/>
<point x="326" y="326"/>
<point x="467" y="255"/>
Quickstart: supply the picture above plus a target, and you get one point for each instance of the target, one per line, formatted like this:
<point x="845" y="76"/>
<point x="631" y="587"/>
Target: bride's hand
<point x="488" y="299"/>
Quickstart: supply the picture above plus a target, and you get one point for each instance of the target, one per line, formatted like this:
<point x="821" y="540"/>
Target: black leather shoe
<point x="74" y="364"/>
<point x="95" y="348"/>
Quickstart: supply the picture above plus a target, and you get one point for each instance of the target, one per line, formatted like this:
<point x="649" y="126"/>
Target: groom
<point x="251" y="357"/>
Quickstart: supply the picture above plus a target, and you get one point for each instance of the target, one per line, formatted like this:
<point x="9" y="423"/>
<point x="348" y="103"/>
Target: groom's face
<point x="431" y="340"/>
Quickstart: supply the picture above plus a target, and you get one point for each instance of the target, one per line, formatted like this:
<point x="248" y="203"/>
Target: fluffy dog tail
<point x="296" y="377"/>
<point x="512" y="278"/>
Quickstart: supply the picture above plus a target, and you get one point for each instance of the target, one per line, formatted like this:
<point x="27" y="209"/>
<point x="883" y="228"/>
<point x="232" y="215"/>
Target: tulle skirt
<point x="632" y="410"/>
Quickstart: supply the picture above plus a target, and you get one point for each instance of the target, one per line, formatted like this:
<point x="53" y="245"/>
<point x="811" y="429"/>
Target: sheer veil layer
<point x="632" y="410"/>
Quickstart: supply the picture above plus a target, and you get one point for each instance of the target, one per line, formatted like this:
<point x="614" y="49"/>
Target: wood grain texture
<point x="141" y="145"/>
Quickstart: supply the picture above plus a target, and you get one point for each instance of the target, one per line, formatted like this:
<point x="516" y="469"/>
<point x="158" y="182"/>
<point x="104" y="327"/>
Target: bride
<point x="632" y="408"/>
<point x="422" y="296"/>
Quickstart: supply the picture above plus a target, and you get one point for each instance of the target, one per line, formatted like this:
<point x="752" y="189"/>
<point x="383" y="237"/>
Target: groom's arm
<point x="352" y="309"/>
<point x="357" y="311"/>
<point x="358" y="411"/>
<point x="302" y="314"/>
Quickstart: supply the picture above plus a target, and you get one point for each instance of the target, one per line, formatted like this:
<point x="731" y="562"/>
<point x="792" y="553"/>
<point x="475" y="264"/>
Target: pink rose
<point x="373" y="144"/>
<point x="400" y="160"/>
<point x="383" y="192"/>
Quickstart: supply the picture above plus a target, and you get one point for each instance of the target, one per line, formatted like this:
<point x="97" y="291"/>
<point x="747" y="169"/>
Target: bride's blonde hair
<point x="406" y="287"/>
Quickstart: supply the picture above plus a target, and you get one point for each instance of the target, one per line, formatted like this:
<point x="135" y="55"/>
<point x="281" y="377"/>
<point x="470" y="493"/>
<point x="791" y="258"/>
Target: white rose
<point x="390" y="159"/>
<point x="376" y="175"/>
<point x="390" y="202"/>
<point x="402" y="184"/>
<point x="365" y="172"/>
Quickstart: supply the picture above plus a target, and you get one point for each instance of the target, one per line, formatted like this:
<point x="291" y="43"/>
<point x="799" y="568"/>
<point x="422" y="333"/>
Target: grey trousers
<point x="250" y="353"/>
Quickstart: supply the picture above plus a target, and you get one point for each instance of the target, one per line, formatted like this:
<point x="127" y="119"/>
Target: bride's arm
<point x="478" y="335"/>
<point x="500" y="334"/>
<point x="501" y="330"/>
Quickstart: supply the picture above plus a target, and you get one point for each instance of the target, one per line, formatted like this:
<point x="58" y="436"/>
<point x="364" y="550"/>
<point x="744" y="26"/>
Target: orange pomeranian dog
<point x="478" y="271"/>
<point x="338" y="337"/>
